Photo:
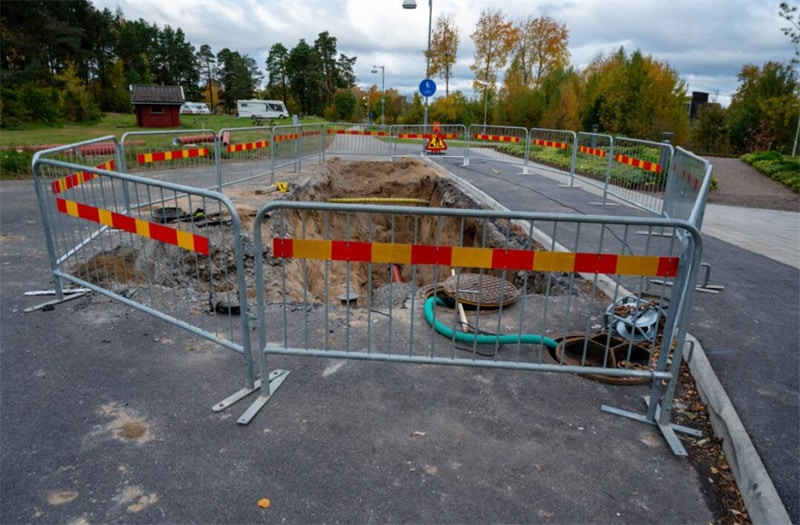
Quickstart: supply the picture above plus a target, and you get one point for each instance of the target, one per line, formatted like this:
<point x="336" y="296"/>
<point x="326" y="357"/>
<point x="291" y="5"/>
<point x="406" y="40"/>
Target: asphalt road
<point x="750" y="331"/>
<point x="69" y="383"/>
<point x="106" y="417"/>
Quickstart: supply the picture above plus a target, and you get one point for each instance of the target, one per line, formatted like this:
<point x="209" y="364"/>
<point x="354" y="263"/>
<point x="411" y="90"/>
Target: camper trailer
<point x="258" y="109"/>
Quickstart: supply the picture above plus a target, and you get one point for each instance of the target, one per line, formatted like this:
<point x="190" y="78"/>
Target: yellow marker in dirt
<point x="283" y="187"/>
<point x="263" y="503"/>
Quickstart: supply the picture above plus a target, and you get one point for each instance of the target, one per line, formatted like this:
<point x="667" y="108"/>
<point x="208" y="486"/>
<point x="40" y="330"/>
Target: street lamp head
<point x="409" y="4"/>
<point x="374" y="71"/>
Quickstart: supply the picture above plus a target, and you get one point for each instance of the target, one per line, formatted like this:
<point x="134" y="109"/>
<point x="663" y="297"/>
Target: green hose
<point x="482" y="339"/>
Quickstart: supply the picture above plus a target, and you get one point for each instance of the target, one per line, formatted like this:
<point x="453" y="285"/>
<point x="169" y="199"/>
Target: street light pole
<point x="383" y="91"/>
<point x="412" y="4"/>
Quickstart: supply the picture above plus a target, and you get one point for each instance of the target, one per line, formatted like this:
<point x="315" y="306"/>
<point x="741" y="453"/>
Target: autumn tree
<point x="635" y="96"/>
<point x="343" y="107"/>
<point x="444" y="50"/>
<point x="710" y="131"/>
<point x="540" y="49"/>
<point x="562" y="91"/>
<point x="763" y="111"/>
<point x="494" y="39"/>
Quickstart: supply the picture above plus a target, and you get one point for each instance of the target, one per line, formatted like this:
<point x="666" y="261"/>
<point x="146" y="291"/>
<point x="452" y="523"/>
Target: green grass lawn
<point x="113" y="124"/>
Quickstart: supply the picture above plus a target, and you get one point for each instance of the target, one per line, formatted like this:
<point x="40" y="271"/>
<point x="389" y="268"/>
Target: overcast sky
<point x="706" y="41"/>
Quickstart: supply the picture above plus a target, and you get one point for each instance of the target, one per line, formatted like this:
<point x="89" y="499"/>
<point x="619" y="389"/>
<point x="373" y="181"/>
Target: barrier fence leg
<point x="274" y="380"/>
<point x="667" y="429"/>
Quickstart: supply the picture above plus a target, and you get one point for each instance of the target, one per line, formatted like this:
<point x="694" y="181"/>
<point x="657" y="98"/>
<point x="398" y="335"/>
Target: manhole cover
<point x="480" y="289"/>
<point x="167" y="214"/>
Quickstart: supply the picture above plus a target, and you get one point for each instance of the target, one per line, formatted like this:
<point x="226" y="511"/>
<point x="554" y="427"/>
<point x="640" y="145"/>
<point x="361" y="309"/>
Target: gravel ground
<point x="739" y="184"/>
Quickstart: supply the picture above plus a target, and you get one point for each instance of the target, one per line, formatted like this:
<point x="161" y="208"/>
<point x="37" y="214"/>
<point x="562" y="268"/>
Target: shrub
<point x="15" y="164"/>
<point x="776" y="166"/>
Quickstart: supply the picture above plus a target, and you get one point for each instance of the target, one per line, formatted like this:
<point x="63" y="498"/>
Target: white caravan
<point x="261" y="109"/>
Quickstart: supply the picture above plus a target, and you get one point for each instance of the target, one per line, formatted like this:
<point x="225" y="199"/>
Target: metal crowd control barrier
<point x="448" y="141"/>
<point x="169" y="250"/>
<point x="346" y="140"/>
<point x="103" y="153"/>
<point x="178" y="156"/>
<point x="639" y="172"/>
<point x="245" y="154"/>
<point x="176" y="251"/>
<point x="292" y="145"/>
<point x="552" y="149"/>
<point x="593" y="157"/>
<point x="483" y="139"/>
<point x="687" y="187"/>
<point x="389" y="284"/>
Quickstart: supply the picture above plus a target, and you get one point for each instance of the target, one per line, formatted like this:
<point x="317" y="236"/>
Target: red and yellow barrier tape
<point x="466" y="257"/>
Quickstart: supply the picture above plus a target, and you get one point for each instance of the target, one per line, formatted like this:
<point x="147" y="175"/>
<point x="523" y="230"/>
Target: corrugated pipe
<point x="481" y="339"/>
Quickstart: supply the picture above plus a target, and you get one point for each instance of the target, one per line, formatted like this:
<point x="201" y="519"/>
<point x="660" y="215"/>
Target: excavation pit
<point x="405" y="182"/>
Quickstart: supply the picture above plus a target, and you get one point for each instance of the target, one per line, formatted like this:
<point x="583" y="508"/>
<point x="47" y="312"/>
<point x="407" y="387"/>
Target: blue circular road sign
<point x="427" y="87"/>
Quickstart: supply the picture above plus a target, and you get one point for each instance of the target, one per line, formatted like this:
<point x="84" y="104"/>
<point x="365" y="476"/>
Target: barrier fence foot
<point x="276" y="378"/>
<point x="68" y="296"/>
<point x="667" y="430"/>
<point x="236" y="396"/>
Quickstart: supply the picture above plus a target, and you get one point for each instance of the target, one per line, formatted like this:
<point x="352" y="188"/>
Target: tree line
<point x="64" y="60"/>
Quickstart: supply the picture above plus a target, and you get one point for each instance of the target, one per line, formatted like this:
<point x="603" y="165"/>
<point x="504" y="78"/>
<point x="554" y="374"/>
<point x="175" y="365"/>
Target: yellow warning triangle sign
<point x="436" y="143"/>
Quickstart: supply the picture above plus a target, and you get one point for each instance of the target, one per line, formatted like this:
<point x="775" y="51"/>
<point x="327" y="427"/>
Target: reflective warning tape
<point x="70" y="181"/>
<point x="550" y="144"/>
<point x="149" y="230"/>
<point x="160" y="156"/>
<point x="496" y="138"/>
<point x="426" y="135"/>
<point x="466" y="257"/>
<point x="289" y="136"/>
<point x="691" y="179"/>
<point x="233" y="148"/>
<point x="357" y="132"/>
<point x="592" y="151"/>
<point x="638" y="163"/>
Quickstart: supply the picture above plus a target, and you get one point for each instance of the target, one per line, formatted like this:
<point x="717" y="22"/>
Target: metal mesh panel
<point x="346" y="140"/>
<point x="332" y="265"/>
<point x="246" y="154"/>
<point x="593" y="159"/>
<point x="639" y="172"/>
<point x="687" y="187"/>
<point x="552" y="149"/>
<point x="178" y="156"/>
<point x="508" y="145"/>
<point x="291" y="145"/>
<point x="169" y="250"/>
<point x="103" y="153"/>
